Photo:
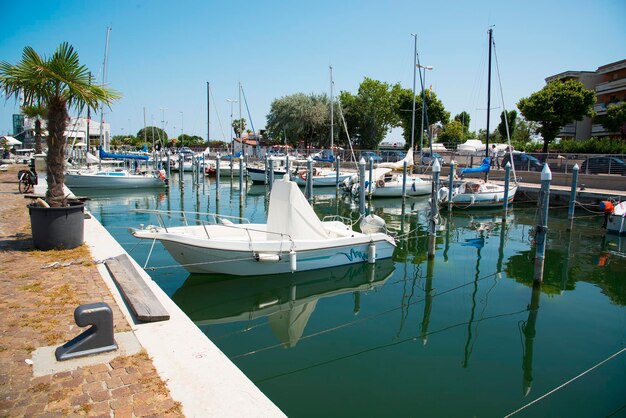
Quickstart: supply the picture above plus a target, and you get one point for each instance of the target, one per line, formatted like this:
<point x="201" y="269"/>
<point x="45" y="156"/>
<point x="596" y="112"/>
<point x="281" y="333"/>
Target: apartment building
<point x="609" y="83"/>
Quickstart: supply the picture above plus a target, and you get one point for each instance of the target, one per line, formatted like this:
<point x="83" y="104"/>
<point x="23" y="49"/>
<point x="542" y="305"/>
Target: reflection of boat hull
<point x="113" y="180"/>
<point x="215" y="299"/>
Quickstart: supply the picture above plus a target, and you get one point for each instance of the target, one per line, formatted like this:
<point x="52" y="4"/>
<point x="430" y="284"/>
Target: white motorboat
<point x="210" y="168"/>
<point x="386" y="183"/>
<point x="258" y="173"/>
<point x="616" y="216"/>
<point x="322" y="177"/>
<point x="293" y="239"/>
<point x="114" y="179"/>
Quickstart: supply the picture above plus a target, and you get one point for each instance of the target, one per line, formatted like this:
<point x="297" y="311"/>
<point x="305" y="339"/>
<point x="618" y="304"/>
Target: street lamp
<point x="422" y="82"/>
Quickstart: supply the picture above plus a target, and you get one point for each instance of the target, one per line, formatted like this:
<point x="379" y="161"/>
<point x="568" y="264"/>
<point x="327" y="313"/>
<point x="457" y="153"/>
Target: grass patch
<point x="33" y="287"/>
<point x="63" y="256"/>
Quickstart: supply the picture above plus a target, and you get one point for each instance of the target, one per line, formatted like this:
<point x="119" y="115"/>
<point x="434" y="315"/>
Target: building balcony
<point x="615" y="85"/>
<point x="568" y="130"/>
<point x="599" y="108"/>
<point x="597" y="129"/>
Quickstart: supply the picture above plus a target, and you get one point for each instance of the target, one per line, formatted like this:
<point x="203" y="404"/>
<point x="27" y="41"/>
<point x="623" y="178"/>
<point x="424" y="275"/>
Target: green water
<point x="461" y="335"/>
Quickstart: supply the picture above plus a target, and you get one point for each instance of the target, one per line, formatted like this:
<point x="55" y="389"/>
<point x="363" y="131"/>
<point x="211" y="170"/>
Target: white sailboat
<point x="475" y="193"/>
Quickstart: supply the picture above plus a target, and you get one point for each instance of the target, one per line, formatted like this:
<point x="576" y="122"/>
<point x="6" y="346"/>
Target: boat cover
<point x="483" y="168"/>
<point x="104" y="154"/>
<point x="399" y="165"/>
<point x="289" y="213"/>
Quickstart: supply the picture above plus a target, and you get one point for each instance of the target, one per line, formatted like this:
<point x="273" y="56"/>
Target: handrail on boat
<point x="184" y="215"/>
<point x="343" y="219"/>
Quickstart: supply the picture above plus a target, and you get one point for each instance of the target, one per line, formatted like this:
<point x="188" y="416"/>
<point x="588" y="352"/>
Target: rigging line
<point x="219" y="121"/>
<point x="506" y="115"/>
<point x="149" y="253"/>
<point x="412" y="338"/>
<point x="248" y="110"/>
<point x="363" y="319"/>
<point x="566" y="383"/>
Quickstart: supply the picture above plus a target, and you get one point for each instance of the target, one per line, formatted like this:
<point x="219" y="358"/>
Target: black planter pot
<point x="57" y="228"/>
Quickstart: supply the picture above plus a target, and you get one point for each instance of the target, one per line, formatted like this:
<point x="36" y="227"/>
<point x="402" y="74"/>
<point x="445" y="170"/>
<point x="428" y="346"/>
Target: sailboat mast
<point x="488" y="94"/>
<point x="208" y="113"/>
<point x="332" y="132"/>
<point x="413" y="110"/>
<point x="104" y="80"/>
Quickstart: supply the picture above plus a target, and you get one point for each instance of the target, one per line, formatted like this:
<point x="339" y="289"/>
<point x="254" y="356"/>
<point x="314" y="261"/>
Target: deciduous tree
<point x="555" y="105"/>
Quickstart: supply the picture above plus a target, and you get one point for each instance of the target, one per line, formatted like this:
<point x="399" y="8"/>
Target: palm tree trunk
<point x="38" y="149"/>
<point x="57" y="123"/>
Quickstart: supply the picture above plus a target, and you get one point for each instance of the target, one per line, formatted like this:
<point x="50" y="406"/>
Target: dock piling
<point x="217" y="176"/>
<point x="270" y="173"/>
<point x="309" y="178"/>
<point x="507" y="180"/>
<point x="404" y="180"/>
<point x="572" y="197"/>
<point x="434" y="210"/>
<point x="362" y="186"/>
<point x="370" y="178"/>
<point x="542" y="225"/>
<point x="450" y="185"/>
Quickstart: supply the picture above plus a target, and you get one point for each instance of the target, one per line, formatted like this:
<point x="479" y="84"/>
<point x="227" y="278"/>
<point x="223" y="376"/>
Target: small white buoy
<point x="371" y="253"/>
<point x="292" y="260"/>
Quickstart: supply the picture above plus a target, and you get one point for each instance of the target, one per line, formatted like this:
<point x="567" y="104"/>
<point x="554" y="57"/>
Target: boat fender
<point x="303" y="174"/>
<point x="371" y="253"/>
<point x="380" y="183"/>
<point x="267" y="257"/>
<point x="293" y="262"/>
<point x="413" y="186"/>
<point x="607" y="207"/>
<point x="442" y="195"/>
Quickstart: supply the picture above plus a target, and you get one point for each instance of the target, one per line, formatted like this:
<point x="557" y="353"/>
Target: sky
<point x="163" y="53"/>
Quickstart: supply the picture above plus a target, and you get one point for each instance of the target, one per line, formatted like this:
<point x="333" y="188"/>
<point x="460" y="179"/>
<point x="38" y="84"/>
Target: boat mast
<point x="488" y="94"/>
<point x="104" y="80"/>
<point x="208" y="113"/>
<point x="413" y="110"/>
<point x="332" y="133"/>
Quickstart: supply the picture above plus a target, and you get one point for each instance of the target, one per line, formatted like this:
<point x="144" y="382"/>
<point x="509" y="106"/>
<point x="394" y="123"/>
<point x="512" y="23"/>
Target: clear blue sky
<point x="162" y="53"/>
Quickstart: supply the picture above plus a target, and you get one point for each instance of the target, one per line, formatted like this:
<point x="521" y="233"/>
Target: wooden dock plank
<point x="136" y="292"/>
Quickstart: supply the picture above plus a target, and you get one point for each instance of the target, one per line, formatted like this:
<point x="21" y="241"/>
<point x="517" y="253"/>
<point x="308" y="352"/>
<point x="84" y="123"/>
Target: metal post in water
<point x="270" y="173"/>
<point x="434" y="210"/>
<point x="266" y="169"/>
<point x="404" y="179"/>
<point x="167" y="168"/>
<point x="572" y="197"/>
<point x="542" y="226"/>
<point x="181" y="168"/>
<point x="287" y="166"/>
<point x="362" y="186"/>
<point x="337" y="163"/>
<point x="217" y="176"/>
<point x="370" y="178"/>
<point x="240" y="181"/>
<point x="507" y="180"/>
<point x="450" y="185"/>
<point x="309" y="178"/>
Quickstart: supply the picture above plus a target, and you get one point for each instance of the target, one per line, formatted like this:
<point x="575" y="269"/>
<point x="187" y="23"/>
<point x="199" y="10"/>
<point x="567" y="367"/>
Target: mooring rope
<point x="566" y="383"/>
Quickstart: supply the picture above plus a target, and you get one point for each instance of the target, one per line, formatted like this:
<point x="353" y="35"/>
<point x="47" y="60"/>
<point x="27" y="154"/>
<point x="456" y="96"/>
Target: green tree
<point x="615" y="119"/>
<point x="59" y="83"/>
<point x="153" y="135"/>
<point x="435" y="113"/>
<point x="371" y="112"/>
<point x="299" y="117"/>
<point x="190" y="141"/>
<point x="239" y="125"/>
<point x="38" y="112"/>
<point x="510" y="122"/>
<point x="453" y="132"/>
<point x="555" y="105"/>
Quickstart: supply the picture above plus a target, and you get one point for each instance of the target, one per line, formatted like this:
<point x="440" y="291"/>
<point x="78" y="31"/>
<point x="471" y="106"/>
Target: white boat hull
<point x="113" y="180"/>
<point x="483" y="199"/>
<point x="616" y="223"/>
<point x="329" y="180"/>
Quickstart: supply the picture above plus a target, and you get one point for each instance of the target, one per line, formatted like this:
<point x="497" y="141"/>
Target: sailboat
<point x="473" y="193"/>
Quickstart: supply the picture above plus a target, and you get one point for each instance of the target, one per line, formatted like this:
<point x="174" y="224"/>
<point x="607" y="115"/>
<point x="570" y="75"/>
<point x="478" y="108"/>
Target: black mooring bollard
<point x="97" y="339"/>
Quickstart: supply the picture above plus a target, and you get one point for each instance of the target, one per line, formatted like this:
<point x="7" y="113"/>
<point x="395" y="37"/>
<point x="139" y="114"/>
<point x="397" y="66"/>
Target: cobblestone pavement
<point x="37" y="310"/>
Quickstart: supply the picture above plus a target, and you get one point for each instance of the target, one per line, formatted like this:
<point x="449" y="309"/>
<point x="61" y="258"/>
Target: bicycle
<point x="27" y="179"/>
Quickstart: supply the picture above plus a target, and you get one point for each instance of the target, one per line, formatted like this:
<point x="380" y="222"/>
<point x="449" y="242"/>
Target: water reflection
<point x="287" y="300"/>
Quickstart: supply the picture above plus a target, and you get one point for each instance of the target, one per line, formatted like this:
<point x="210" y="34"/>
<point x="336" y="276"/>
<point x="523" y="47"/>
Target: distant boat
<point x="293" y="239"/>
<point x="322" y="177"/>
<point x="387" y="183"/>
<point x="258" y="174"/>
<point x="616" y="222"/>
<point x="117" y="179"/>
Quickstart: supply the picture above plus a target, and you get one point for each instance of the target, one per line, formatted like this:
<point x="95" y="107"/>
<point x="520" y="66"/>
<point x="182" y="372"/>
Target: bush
<point x="591" y="146"/>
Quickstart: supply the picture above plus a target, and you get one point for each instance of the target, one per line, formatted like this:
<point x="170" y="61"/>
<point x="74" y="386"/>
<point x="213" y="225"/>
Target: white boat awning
<point x="9" y="140"/>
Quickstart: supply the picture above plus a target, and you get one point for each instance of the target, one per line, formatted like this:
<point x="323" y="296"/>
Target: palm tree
<point x="37" y="112"/>
<point x="58" y="83"/>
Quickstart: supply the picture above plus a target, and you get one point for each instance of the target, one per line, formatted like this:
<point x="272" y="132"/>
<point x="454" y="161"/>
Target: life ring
<point x="303" y="174"/>
<point x="380" y="183"/>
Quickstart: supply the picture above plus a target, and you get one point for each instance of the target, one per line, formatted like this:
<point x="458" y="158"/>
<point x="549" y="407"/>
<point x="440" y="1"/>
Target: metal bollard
<point x="270" y="173"/>
<point x="404" y="179"/>
<point x="450" y="185"/>
<point x="217" y="176"/>
<point x="97" y="339"/>
<point x="337" y="163"/>
<point x="371" y="175"/>
<point x="309" y="178"/>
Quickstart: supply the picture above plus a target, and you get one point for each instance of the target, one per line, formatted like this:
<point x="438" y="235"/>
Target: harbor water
<point x="462" y="334"/>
